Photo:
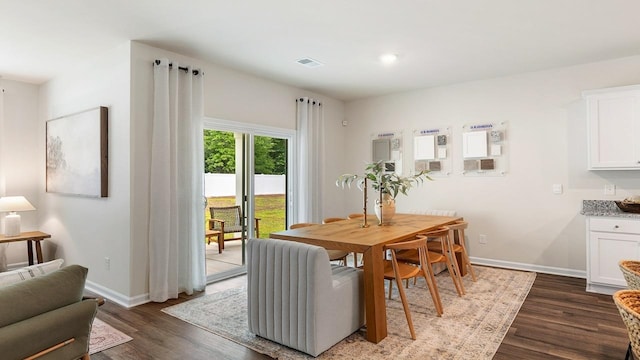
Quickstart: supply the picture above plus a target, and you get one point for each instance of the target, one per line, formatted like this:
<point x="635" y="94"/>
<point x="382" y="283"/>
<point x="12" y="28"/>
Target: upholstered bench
<point x="298" y="298"/>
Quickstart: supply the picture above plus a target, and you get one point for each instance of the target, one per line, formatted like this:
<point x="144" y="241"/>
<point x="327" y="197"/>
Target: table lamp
<point x="12" y="204"/>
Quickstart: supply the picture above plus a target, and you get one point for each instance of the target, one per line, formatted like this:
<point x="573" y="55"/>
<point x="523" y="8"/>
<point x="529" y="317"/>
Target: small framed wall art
<point x="77" y="153"/>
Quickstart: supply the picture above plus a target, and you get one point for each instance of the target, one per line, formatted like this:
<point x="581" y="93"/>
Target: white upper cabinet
<point x="613" y="127"/>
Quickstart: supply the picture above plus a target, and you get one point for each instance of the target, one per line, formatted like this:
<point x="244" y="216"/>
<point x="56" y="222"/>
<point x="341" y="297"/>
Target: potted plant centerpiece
<point x="388" y="185"/>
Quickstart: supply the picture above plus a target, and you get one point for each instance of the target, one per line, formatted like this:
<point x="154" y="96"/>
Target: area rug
<point x="472" y="326"/>
<point x="104" y="336"/>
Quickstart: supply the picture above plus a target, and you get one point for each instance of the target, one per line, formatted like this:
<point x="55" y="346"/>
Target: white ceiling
<point x="438" y="42"/>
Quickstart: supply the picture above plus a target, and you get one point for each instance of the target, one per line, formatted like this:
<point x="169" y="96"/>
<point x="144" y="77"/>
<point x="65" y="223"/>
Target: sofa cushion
<point x="25" y="273"/>
<point x="41" y="294"/>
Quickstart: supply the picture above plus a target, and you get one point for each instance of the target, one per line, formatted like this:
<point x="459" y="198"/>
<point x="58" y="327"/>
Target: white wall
<point x="524" y="222"/>
<point x="229" y="95"/>
<point x="86" y="230"/>
<point x="225" y="185"/>
<point x="20" y="157"/>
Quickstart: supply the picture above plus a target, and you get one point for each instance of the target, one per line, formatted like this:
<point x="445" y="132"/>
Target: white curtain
<point x="176" y="214"/>
<point x="310" y="132"/>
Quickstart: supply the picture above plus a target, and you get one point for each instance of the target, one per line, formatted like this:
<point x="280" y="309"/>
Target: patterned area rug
<point x="104" y="336"/>
<point x="472" y="326"/>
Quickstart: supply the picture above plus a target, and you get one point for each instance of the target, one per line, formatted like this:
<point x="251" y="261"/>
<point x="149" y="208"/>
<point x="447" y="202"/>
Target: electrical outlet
<point x="107" y="263"/>
<point x="482" y="239"/>
<point x="609" y="189"/>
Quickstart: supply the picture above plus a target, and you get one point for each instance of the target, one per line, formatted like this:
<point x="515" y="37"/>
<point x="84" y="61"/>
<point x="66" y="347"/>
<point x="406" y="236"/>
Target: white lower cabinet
<point x="610" y="240"/>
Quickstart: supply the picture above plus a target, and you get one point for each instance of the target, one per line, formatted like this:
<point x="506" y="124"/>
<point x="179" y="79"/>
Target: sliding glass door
<point x="247" y="175"/>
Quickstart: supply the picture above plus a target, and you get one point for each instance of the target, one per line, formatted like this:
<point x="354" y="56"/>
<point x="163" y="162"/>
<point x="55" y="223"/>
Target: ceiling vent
<point x="309" y="62"/>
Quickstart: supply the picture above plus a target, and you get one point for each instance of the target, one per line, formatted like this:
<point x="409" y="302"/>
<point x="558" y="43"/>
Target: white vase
<point x="388" y="208"/>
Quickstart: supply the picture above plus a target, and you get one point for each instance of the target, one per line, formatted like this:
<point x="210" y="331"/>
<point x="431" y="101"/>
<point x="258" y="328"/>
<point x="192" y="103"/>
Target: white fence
<point x="225" y="184"/>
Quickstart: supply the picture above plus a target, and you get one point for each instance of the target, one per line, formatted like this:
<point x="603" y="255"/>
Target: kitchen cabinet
<point x="610" y="240"/>
<point x="613" y="127"/>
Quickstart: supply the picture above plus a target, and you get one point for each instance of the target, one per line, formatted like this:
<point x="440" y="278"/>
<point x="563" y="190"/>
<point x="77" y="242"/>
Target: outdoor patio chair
<point x="228" y="220"/>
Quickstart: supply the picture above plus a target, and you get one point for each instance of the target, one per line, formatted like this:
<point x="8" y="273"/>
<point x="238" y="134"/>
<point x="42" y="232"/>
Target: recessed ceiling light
<point x="388" y="59"/>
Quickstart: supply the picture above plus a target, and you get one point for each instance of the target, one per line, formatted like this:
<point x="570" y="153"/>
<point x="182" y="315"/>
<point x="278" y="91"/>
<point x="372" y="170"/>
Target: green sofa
<point x="42" y="315"/>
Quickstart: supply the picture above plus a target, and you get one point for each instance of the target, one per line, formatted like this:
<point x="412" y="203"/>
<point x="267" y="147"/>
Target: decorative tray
<point x="628" y="207"/>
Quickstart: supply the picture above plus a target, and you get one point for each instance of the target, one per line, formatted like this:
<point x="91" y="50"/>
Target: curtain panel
<point x="310" y="142"/>
<point x="176" y="215"/>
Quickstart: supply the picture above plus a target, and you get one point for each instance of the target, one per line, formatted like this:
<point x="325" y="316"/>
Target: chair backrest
<point x="300" y="225"/>
<point x="419" y="244"/>
<point x="458" y="225"/>
<point x="231" y="215"/>
<point x="284" y="281"/>
<point x="628" y="304"/>
<point x="332" y="219"/>
<point x="434" y="212"/>
<point x="631" y="271"/>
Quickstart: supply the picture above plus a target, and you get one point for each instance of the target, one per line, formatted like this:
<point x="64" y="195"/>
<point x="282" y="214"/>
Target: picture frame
<point x="77" y="153"/>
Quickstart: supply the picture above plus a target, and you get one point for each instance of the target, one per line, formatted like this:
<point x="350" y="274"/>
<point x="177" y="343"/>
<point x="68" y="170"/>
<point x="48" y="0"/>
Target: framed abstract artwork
<point x="77" y="153"/>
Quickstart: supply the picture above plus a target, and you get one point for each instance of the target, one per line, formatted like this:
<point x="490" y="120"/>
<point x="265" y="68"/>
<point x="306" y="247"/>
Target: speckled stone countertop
<point x="605" y="208"/>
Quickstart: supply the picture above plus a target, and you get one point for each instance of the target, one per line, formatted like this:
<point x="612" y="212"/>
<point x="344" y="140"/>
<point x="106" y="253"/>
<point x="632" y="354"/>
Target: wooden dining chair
<point x="334" y="219"/>
<point x="334" y="255"/>
<point x="399" y="270"/>
<point x="441" y="235"/>
<point x="456" y="245"/>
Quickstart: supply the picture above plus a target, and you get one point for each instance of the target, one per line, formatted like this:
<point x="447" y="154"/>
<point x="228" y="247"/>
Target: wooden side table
<point x="29" y="237"/>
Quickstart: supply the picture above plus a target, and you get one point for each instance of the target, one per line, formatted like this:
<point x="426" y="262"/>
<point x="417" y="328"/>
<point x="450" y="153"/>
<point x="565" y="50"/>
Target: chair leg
<point x="405" y="306"/>
<point x="454" y="273"/>
<point x="433" y="288"/>
<point x="465" y="256"/>
<point x="467" y="263"/>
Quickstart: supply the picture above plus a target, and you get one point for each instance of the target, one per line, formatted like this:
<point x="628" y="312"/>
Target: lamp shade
<point x="15" y="203"/>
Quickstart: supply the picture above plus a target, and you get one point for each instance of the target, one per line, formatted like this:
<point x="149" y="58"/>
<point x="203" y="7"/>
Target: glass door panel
<point x="250" y="171"/>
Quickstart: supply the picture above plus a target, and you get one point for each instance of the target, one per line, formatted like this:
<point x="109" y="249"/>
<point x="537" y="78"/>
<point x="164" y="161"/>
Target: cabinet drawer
<point x="615" y="225"/>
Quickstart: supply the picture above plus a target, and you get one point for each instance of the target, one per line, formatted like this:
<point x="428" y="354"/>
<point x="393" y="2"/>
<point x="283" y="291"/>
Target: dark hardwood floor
<point x="558" y="320"/>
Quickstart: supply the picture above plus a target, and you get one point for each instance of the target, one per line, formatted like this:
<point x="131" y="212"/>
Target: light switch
<point x="557" y="188"/>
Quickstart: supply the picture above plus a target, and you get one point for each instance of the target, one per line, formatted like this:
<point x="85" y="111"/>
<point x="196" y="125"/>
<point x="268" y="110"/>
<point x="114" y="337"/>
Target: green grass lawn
<point x="270" y="209"/>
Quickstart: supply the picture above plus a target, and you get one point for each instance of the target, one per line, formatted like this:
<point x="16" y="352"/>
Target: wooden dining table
<point x="350" y="236"/>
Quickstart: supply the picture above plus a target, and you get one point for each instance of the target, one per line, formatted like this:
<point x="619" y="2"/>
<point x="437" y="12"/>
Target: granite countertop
<point x="605" y="208"/>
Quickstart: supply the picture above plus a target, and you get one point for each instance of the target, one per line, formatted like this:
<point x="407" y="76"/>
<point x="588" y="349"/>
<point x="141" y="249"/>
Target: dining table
<point x="350" y="235"/>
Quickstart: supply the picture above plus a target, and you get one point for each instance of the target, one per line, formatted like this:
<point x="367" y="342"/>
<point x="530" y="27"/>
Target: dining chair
<point x="334" y="255"/>
<point x="456" y="246"/>
<point x="628" y="304"/>
<point x="334" y="219"/>
<point x="398" y="270"/>
<point x="441" y="235"/>
<point x="631" y="272"/>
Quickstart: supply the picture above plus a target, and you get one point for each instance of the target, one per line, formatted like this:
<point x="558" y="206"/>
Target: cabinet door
<point x="606" y="250"/>
<point x="614" y="127"/>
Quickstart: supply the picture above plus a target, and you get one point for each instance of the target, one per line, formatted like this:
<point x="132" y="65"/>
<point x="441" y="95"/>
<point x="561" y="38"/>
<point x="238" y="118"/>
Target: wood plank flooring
<point x="558" y="320"/>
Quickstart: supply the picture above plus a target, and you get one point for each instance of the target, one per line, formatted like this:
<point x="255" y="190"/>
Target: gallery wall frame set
<point x="77" y="153"/>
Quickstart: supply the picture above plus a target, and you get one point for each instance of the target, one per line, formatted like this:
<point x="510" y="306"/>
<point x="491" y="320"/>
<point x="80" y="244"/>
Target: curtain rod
<point x="185" y="69"/>
<point x="309" y="100"/>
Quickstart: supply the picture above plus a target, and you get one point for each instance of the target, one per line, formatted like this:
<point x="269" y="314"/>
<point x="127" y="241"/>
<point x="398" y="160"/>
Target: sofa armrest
<point x="25" y="338"/>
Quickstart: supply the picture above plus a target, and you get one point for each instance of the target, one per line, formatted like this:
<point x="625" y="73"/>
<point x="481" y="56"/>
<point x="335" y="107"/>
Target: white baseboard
<point x="529" y="267"/>
<point x="130" y="302"/>
<point x="116" y="297"/>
